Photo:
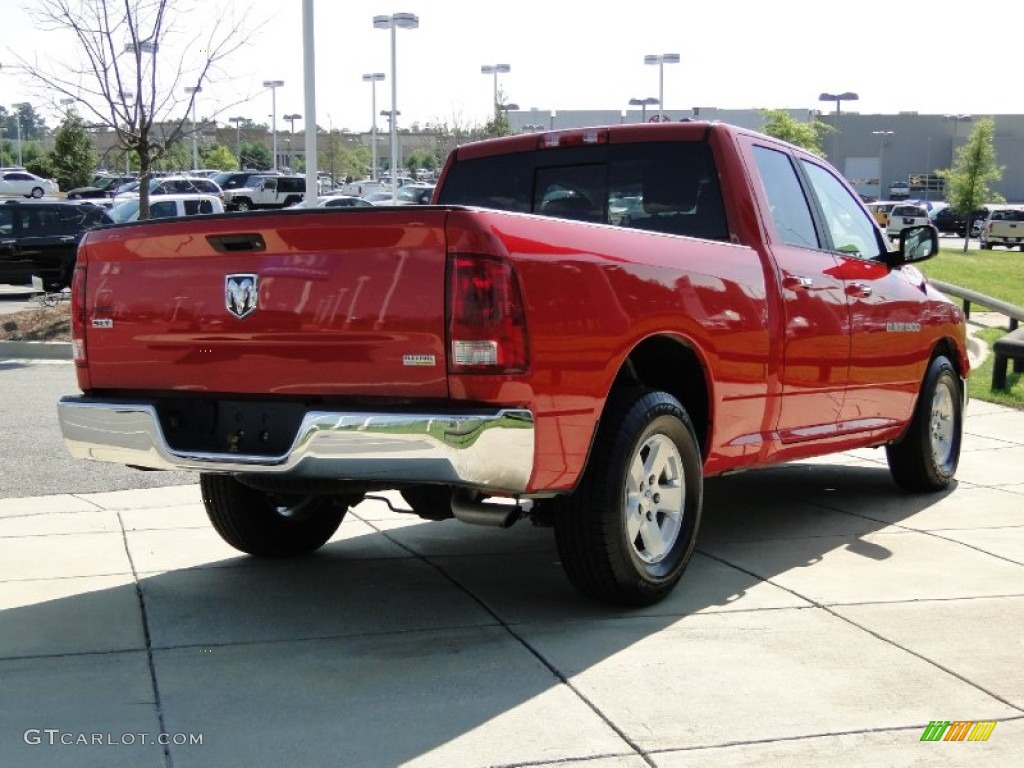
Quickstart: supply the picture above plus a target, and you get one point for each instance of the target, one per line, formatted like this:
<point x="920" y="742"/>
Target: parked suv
<point x="41" y="239"/>
<point x="174" y="185"/>
<point x="267" y="192"/>
<point x="168" y="206"/>
<point x="906" y="215"/>
<point x="235" y="179"/>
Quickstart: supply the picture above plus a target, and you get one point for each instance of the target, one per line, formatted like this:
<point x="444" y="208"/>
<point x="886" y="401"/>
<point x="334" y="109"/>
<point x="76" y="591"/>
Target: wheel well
<point x="947" y="348"/>
<point x="669" y="365"/>
<point x="292" y="199"/>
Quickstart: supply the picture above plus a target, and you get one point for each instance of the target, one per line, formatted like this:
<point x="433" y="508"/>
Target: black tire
<point x="243" y="205"/>
<point x="37" y="192"/>
<point x="608" y="546"/>
<point x="926" y="457"/>
<point x="269" y="525"/>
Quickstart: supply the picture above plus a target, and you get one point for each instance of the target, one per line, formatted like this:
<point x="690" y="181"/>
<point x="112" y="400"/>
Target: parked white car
<point x="167" y="206"/>
<point x="336" y="201"/>
<point x="25" y="184"/>
<point x="905" y="215"/>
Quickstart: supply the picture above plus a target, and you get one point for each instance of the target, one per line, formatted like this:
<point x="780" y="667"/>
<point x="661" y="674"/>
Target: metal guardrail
<point x="1012" y="311"/>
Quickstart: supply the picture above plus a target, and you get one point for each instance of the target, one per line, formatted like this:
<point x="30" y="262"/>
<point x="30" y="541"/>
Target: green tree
<point x="72" y="157"/>
<point x="780" y="124"/>
<point x="256" y="156"/>
<point x="120" y="72"/>
<point x="421" y="159"/>
<point x="218" y="156"/>
<point x="974" y="169"/>
<point x="175" y="157"/>
<point x="25" y="119"/>
<point x="341" y="161"/>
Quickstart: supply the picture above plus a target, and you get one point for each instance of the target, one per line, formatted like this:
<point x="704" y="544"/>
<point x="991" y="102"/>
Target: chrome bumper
<point x="483" y="450"/>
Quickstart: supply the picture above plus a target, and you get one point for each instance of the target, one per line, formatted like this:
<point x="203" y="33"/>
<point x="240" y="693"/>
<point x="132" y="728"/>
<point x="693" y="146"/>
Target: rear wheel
<point x="926" y="458"/>
<point x="626" y="535"/>
<point x="270" y="524"/>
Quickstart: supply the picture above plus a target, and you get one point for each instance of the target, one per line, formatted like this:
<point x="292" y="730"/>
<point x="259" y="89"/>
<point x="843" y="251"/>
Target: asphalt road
<point x="33" y="459"/>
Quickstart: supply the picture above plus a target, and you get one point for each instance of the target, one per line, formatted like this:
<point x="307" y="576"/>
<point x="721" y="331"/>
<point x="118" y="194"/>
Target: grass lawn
<point x="980" y="384"/>
<point x="997" y="273"/>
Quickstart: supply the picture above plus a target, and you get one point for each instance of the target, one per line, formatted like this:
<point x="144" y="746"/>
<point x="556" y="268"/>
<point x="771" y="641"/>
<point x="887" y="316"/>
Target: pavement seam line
<point x="804" y="737"/>
<point x="873" y="633"/>
<point x="168" y="759"/>
<point x="637" y="749"/>
<point x="933" y="532"/>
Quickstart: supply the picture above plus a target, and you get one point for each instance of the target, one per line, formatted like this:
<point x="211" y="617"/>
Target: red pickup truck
<point x="581" y="327"/>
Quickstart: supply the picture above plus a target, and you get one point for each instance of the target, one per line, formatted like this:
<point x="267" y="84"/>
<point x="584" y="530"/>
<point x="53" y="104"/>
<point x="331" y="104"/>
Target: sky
<point x="734" y="54"/>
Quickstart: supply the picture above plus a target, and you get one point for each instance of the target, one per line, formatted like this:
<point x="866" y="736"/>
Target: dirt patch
<point x="43" y="324"/>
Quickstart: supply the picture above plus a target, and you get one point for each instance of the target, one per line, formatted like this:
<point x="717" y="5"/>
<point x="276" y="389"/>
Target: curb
<point x="35" y="350"/>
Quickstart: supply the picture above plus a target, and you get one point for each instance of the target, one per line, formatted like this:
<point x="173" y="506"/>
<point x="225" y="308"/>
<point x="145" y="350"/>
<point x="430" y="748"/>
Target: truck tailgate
<point x="346" y="302"/>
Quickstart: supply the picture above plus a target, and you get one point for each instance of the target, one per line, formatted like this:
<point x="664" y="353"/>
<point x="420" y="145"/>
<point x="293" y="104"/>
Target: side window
<point x="851" y="228"/>
<point x="669" y="187"/>
<point x="500" y="181"/>
<point x="6" y="222"/>
<point x="789" y="208"/>
<point x="163" y="209"/>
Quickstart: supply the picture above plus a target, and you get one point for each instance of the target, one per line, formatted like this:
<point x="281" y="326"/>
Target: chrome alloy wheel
<point x="655" y="498"/>
<point x="942" y="424"/>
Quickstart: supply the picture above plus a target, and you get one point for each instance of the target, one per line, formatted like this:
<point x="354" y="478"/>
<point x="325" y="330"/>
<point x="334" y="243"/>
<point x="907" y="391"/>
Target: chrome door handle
<point x="797" y="282"/>
<point x="859" y="289"/>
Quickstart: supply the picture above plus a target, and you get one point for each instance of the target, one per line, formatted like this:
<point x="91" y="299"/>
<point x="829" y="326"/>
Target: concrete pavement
<point x="826" y="620"/>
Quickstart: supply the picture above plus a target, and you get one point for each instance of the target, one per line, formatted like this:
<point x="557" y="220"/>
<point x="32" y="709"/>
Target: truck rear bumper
<point x="487" y="450"/>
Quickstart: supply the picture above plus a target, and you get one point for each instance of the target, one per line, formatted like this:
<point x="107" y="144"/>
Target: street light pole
<point x="373" y="78"/>
<point x="881" y="159"/>
<point x="838" y="98"/>
<point x="291" y="132"/>
<point x="393" y="22"/>
<point x="273" y="85"/>
<point x="661" y="60"/>
<point x="192" y="91"/>
<point x="643" y="103"/>
<point x="495" y="69"/>
<point x="238" y="136"/>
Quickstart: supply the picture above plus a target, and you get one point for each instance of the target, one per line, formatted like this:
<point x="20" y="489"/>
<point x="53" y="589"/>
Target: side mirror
<point x="916" y="244"/>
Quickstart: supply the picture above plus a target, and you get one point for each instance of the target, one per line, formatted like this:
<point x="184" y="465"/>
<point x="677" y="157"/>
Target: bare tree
<point x="121" y="78"/>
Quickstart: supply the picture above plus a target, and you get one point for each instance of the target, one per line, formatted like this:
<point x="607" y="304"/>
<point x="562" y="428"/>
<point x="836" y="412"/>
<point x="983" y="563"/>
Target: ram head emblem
<point x="241" y="294"/>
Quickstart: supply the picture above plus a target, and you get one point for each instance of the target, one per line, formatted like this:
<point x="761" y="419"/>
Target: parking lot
<point x="827" y="619"/>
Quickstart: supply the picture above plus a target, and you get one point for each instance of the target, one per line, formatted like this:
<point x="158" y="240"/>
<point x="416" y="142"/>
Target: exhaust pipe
<point x="466" y="508"/>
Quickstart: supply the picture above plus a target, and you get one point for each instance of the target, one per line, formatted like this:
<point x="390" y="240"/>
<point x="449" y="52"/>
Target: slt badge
<point x="241" y="294"/>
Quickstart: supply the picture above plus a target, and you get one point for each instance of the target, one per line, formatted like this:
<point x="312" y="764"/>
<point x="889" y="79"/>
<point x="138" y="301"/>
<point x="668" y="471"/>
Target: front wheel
<point x="37" y="192"/>
<point x="269" y="524"/>
<point x="243" y="205"/>
<point x="926" y="457"/>
<point x="627" y="533"/>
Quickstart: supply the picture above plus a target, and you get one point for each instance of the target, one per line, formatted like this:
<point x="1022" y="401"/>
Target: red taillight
<point x="78" y="314"/>
<point x="486" y="318"/>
